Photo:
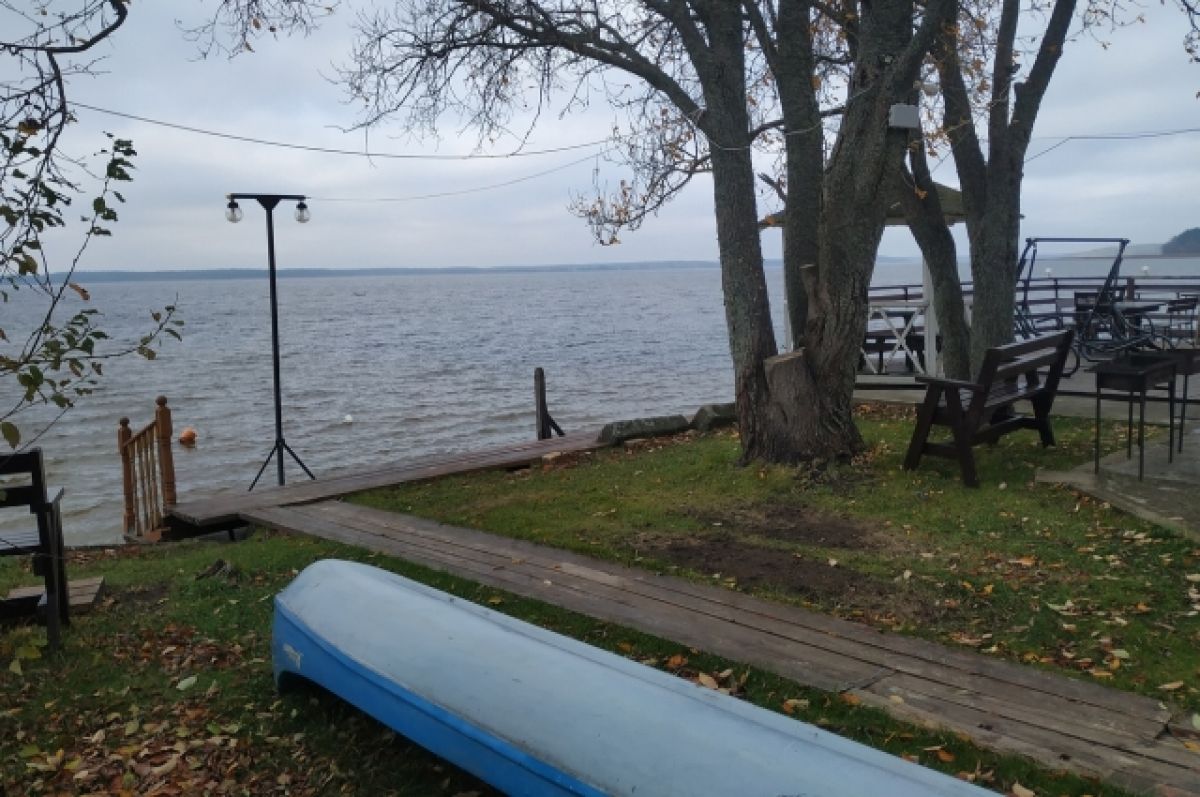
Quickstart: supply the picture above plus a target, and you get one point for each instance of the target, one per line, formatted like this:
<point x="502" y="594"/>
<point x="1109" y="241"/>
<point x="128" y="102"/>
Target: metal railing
<point x="147" y="474"/>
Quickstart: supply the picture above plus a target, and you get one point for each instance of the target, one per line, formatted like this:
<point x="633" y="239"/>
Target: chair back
<point x="28" y="488"/>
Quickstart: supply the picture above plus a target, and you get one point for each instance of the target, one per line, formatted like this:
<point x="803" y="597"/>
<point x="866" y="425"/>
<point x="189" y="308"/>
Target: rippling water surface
<point x="422" y="363"/>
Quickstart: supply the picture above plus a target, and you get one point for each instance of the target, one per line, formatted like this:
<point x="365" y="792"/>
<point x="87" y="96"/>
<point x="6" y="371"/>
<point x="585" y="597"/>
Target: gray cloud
<point x="1142" y="189"/>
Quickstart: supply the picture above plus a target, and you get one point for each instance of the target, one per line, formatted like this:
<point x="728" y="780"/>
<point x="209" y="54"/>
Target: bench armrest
<point x="951" y="383"/>
<point x="53" y="495"/>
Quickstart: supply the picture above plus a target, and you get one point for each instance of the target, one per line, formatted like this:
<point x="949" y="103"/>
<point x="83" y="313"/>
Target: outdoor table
<point x="1135" y="375"/>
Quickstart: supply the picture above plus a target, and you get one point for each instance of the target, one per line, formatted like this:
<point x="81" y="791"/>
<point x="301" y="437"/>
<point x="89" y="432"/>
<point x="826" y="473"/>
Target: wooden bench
<point x="25" y="486"/>
<point x="981" y="411"/>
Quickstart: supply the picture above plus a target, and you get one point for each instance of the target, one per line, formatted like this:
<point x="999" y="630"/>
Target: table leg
<point x="1141" y="435"/>
<point x="1171" y="420"/>
<point x="1183" y="411"/>
<point x="1096" y="447"/>
<point x="1129" y="428"/>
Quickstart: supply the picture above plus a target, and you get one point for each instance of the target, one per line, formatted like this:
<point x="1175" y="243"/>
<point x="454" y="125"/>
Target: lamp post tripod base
<point x="277" y="452"/>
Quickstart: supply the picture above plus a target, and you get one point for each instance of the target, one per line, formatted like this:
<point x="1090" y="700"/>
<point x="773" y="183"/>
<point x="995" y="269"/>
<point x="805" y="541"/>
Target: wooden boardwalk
<point x="1059" y="722"/>
<point x="228" y="508"/>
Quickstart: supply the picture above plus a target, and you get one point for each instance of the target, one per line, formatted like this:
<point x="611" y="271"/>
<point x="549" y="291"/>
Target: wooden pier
<point x="228" y="509"/>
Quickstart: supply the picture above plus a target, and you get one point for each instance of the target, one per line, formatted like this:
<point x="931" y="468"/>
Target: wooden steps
<point x="1060" y="722"/>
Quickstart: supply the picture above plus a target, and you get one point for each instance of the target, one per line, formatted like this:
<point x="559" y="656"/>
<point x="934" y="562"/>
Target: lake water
<point x="422" y="363"/>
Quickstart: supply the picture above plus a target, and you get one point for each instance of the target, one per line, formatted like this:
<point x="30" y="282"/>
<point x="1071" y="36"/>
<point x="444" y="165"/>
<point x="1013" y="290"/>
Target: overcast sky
<point x="1146" y="189"/>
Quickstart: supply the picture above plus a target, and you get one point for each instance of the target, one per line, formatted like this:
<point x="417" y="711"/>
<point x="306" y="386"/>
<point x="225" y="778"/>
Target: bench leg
<point x="53" y="611"/>
<point x="916" y="446"/>
<point x="1041" y="415"/>
<point x="60" y="562"/>
<point x="966" y="457"/>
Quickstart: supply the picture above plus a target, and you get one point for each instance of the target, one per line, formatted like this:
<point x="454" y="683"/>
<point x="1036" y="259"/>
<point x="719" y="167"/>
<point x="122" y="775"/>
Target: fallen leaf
<point x="1171" y="687"/>
<point x="792" y="704"/>
<point x="186" y="683"/>
<point x="707" y="680"/>
<point x="1020" y="791"/>
<point x="676" y="661"/>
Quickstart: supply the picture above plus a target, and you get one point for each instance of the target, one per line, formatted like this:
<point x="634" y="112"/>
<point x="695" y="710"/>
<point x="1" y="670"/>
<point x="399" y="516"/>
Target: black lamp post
<point x="234" y="214"/>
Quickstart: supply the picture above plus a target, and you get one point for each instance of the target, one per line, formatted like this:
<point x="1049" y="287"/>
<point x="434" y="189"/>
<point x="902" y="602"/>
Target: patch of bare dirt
<point x="794" y="523"/>
<point x="734" y="561"/>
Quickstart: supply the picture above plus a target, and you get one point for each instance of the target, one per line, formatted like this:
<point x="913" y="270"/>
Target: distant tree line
<point x="1186" y="243"/>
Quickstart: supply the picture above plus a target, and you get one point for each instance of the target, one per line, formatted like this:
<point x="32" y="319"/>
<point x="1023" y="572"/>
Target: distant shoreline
<point x="127" y="275"/>
<point x="302" y="273"/>
<point x="309" y="273"/>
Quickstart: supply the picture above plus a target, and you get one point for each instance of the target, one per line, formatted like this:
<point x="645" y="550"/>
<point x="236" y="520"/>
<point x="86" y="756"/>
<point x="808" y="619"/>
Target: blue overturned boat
<point x="535" y="713"/>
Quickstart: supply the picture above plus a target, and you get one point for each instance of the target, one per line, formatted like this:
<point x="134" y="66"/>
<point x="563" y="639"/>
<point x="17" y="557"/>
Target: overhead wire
<point x="463" y="191"/>
<point x="606" y="143"/>
<point x="336" y="151"/>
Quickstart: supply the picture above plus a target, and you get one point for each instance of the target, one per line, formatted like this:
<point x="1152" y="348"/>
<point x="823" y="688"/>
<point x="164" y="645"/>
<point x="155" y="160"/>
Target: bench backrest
<point x="1023" y="361"/>
<point x="30" y="491"/>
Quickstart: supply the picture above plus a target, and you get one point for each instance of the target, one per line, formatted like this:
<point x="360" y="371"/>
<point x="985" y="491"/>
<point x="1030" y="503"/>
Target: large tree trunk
<point x="747" y="308"/>
<point x="804" y="158"/>
<point x="927" y="221"/>
<point x="994" y="245"/>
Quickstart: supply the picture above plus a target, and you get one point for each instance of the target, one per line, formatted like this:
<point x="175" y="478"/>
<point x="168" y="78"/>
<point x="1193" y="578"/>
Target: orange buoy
<point x="187" y="437"/>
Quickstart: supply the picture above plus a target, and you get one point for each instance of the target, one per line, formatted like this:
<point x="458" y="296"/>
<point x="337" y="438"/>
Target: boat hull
<point x="535" y="713"/>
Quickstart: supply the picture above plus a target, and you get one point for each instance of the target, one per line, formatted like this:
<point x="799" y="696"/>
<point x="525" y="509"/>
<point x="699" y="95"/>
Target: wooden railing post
<point x="546" y="427"/>
<point x="124" y="433"/>
<point x="539" y="403"/>
<point x="166" y="460"/>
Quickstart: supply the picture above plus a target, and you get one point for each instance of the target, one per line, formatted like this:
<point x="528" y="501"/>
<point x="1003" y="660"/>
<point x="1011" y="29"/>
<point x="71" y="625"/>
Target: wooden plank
<point x="808" y="666"/>
<point x="226" y="506"/>
<point x="1071" y="727"/>
<point x="1129" y="770"/>
<point x="83" y="593"/>
<point x="1089" y="703"/>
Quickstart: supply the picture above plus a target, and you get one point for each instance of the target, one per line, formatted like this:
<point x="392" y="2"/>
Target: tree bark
<point x="927" y="221"/>
<point x="804" y="156"/>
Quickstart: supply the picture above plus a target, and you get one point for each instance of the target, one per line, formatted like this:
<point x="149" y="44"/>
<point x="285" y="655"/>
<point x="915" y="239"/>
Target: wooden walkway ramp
<point x="227" y="508"/>
<point x="1059" y="722"/>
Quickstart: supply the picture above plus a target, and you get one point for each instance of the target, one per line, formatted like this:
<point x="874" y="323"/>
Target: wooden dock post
<point x="166" y="460"/>
<point x="544" y="422"/>
<point x="124" y="435"/>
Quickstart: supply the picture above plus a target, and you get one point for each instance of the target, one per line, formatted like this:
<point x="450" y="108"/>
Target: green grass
<point x="1031" y="572"/>
<point x="168" y="684"/>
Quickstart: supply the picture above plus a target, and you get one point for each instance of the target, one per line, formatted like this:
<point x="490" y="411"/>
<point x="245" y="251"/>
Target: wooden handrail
<point x="147" y="473"/>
